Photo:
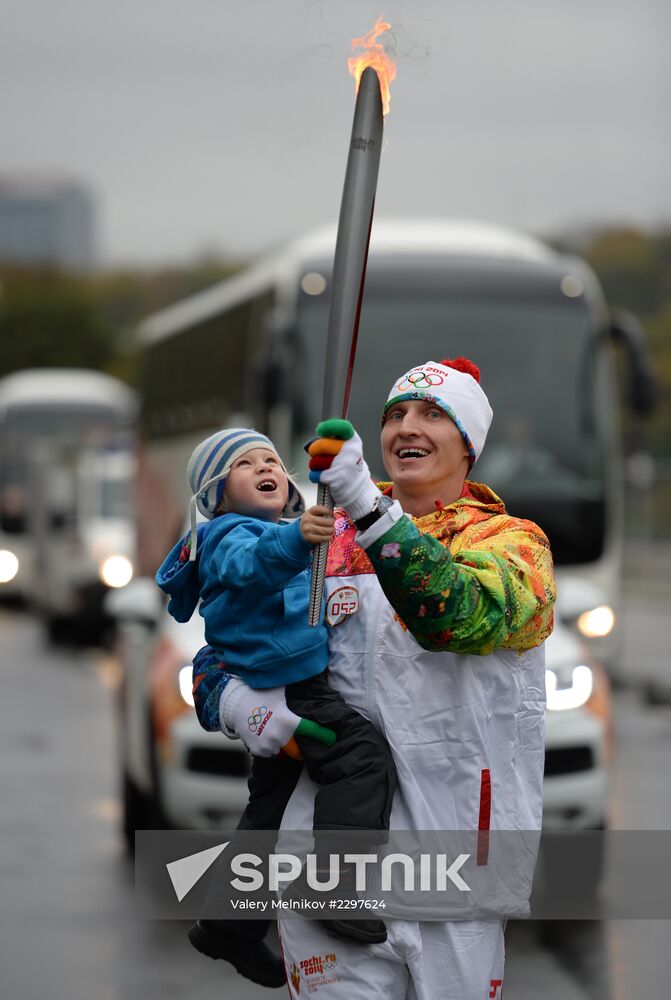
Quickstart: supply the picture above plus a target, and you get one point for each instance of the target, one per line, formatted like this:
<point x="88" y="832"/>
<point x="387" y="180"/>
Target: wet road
<point x="67" y="924"/>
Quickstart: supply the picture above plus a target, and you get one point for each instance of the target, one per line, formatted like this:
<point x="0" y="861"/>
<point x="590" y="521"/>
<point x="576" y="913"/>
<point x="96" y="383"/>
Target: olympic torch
<point x="373" y="71"/>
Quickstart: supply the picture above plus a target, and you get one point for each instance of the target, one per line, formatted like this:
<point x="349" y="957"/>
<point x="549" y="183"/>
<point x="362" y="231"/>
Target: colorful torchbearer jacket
<point x="436" y="631"/>
<point x="468" y="578"/>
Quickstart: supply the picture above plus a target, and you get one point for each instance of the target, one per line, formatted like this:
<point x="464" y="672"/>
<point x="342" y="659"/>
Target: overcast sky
<point x="224" y="124"/>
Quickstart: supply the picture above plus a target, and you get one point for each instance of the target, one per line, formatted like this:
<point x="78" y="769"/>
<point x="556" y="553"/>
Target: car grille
<point x="226" y="763"/>
<point x="568" y="760"/>
<point x="235" y="763"/>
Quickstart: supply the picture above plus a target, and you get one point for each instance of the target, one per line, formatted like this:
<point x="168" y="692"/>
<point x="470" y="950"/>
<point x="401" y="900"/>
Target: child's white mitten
<point x="260" y="718"/>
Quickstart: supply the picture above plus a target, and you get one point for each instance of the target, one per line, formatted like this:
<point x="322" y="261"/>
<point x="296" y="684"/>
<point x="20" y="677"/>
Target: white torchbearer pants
<point x="454" y="960"/>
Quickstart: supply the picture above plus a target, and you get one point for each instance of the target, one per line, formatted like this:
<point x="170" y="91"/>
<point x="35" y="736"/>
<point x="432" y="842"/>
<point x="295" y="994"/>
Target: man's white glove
<point x="261" y="719"/>
<point x="340" y="465"/>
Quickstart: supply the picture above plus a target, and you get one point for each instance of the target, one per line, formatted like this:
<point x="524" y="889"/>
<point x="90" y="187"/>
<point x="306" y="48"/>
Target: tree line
<point x="52" y="319"/>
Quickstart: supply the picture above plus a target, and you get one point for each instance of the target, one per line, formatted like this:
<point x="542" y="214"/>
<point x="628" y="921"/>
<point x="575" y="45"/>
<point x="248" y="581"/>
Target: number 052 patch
<point x="343" y="602"/>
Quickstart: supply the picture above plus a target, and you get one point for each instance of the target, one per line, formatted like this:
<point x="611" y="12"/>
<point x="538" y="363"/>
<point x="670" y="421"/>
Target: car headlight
<point x="597" y="623"/>
<point x="571" y="695"/>
<point x="186" y="685"/>
<point x="9" y="565"/>
<point x="116" y="571"/>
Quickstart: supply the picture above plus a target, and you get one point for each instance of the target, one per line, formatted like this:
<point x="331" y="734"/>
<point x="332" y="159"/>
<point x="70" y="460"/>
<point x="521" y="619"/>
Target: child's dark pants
<point x="356" y="778"/>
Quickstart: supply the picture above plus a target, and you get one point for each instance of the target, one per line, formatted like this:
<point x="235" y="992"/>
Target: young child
<point x="250" y="572"/>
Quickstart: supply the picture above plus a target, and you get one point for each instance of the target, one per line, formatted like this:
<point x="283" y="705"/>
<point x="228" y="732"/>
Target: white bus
<point x="49" y="419"/>
<point x="535" y="321"/>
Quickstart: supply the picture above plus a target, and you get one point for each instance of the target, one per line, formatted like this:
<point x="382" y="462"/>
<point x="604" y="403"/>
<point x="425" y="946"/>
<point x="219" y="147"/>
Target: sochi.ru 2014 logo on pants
<point x="258" y="719"/>
<point x="317" y="970"/>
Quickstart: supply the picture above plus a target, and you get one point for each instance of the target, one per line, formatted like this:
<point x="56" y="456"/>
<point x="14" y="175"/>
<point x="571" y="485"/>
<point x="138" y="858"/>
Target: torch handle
<point x="319" y="564"/>
<point x="349" y="276"/>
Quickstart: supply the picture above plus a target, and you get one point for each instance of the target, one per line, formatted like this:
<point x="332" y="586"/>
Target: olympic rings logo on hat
<point x="255" y="718"/>
<point x="420" y="380"/>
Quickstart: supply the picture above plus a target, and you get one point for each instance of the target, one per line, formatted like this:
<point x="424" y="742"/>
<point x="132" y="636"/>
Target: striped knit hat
<point x="210" y="465"/>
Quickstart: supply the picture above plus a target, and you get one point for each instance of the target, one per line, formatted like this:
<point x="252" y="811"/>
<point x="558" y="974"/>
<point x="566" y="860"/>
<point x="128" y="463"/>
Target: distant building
<point x="47" y="219"/>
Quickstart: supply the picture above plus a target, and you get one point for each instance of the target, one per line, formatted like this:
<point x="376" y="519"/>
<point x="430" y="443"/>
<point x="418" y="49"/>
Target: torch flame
<point x="373" y="55"/>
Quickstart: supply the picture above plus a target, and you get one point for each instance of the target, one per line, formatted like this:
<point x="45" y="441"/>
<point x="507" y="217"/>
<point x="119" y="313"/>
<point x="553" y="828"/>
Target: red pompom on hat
<point x="462" y="365"/>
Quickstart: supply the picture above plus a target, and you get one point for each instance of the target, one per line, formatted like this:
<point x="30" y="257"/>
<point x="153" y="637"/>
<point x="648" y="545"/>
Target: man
<point x="438" y="603"/>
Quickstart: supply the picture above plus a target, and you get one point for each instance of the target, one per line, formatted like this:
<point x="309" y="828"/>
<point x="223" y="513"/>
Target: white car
<point x="174" y="772"/>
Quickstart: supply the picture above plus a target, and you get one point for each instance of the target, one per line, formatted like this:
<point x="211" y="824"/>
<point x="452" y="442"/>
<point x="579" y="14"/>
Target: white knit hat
<point x="456" y="390"/>
<point x="210" y="465"/>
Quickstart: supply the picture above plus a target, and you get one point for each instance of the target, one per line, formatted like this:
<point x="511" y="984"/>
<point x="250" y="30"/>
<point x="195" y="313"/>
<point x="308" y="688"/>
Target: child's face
<point x="257" y="485"/>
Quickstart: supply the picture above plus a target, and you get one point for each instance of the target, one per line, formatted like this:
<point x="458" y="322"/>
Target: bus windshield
<point x="116" y="499"/>
<point x="76" y="422"/>
<point x="545" y="453"/>
<point x="63" y="429"/>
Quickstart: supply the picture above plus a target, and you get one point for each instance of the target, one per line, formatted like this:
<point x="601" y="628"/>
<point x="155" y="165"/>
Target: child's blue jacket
<point x="253" y="582"/>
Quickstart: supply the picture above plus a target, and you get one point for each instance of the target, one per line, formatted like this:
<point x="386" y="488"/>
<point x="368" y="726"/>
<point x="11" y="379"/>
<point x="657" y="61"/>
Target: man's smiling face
<point x="257" y="485"/>
<point x="422" y="446"/>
